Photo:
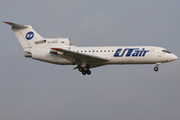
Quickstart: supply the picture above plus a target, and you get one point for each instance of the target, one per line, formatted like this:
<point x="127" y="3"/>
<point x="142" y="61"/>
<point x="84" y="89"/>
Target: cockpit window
<point x="166" y="51"/>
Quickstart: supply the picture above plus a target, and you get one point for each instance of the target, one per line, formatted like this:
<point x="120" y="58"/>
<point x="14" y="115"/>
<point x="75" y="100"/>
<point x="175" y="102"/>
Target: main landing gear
<point x="157" y="67"/>
<point x="84" y="70"/>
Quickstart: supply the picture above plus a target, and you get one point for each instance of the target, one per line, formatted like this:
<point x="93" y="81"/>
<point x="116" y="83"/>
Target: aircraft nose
<point x="174" y="57"/>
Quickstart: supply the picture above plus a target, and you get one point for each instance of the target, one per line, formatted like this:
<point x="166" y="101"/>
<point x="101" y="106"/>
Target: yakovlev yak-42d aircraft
<point x="60" y="51"/>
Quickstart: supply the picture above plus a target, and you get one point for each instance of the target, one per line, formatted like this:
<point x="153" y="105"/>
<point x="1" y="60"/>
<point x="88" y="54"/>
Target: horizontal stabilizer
<point x="16" y="26"/>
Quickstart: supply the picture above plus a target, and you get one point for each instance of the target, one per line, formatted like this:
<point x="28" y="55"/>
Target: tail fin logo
<point x="29" y="35"/>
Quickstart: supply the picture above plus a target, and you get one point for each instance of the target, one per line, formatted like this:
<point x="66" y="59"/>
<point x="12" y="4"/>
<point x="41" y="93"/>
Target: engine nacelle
<point x="47" y="56"/>
<point x="27" y="54"/>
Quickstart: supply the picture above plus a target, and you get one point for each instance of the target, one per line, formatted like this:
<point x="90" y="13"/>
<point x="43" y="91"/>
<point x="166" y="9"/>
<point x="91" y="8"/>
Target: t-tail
<point x="26" y="36"/>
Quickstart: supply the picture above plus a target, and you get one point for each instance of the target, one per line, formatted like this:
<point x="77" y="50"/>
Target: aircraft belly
<point x="131" y="60"/>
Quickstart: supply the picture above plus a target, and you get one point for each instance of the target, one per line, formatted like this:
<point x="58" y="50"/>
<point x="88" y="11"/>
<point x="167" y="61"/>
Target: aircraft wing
<point x="81" y="56"/>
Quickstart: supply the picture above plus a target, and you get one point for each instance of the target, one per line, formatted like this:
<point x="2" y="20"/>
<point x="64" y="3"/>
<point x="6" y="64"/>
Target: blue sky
<point x="36" y="90"/>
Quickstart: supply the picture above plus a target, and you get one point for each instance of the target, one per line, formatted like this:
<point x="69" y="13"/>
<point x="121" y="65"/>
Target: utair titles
<point x="136" y="53"/>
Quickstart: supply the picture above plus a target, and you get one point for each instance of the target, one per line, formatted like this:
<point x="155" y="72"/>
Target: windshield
<point x="166" y="51"/>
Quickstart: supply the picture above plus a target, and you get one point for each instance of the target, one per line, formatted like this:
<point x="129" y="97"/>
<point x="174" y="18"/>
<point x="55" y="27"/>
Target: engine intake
<point x="27" y="54"/>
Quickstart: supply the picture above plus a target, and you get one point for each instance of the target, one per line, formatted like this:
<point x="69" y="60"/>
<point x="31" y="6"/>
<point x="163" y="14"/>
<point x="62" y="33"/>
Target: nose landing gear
<point x="157" y="67"/>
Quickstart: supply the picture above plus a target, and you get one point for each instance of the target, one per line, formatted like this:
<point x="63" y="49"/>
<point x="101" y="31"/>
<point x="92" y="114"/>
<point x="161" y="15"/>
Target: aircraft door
<point x="152" y="52"/>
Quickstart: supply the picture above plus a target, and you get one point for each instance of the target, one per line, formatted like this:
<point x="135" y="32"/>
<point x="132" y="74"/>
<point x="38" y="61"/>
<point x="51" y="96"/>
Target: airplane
<point x="60" y="51"/>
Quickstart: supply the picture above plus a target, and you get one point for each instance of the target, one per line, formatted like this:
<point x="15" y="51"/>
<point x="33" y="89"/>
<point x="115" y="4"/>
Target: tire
<point x="155" y="69"/>
<point x="80" y="69"/>
<point x="88" y="72"/>
<point x="84" y="72"/>
<point x="85" y="69"/>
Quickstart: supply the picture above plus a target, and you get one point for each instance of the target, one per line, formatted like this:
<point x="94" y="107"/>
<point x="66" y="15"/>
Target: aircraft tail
<point x="25" y="34"/>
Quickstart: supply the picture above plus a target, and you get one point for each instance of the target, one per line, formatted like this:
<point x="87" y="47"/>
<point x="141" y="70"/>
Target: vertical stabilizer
<point x="25" y="34"/>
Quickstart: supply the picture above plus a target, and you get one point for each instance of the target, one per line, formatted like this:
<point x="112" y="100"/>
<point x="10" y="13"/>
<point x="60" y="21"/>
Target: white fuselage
<point x="117" y="55"/>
